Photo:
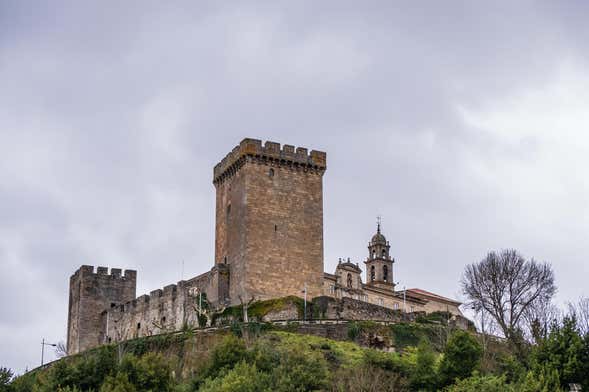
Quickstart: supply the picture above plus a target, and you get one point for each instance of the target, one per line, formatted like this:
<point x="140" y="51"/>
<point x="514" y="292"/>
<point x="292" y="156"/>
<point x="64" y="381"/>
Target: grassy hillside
<point x="262" y="357"/>
<point x="426" y="355"/>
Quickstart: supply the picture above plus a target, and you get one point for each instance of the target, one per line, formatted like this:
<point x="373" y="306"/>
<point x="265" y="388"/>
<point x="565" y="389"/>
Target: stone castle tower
<point x="269" y="220"/>
<point x="379" y="264"/>
<point x="91" y="293"/>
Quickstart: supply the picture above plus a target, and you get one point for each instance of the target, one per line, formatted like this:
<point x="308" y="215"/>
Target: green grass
<point x="345" y="354"/>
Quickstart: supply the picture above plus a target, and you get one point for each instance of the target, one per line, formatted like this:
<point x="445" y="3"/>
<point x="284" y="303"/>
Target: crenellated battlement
<point x="93" y="290"/>
<point x="115" y="273"/>
<point x="270" y="152"/>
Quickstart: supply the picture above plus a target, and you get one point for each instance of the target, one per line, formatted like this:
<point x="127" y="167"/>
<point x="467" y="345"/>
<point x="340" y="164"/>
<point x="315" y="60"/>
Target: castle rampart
<point x="163" y="310"/>
<point x="90" y="293"/>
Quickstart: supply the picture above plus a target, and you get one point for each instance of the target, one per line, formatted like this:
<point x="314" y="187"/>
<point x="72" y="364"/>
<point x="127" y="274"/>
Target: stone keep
<point x="91" y="293"/>
<point x="269" y="220"/>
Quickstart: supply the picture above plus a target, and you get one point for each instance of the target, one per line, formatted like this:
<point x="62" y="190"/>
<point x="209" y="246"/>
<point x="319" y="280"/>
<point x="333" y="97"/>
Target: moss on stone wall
<point x="259" y="309"/>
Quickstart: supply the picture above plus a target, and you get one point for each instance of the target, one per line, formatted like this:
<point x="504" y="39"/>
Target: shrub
<point x="544" y="380"/>
<point x="242" y="378"/>
<point x="353" y="330"/>
<point x="24" y="383"/>
<point x="223" y="358"/>
<point x="461" y="357"/>
<point x="85" y="373"/>
<point x="477" y="383"/>
<point x="423" y="376"/>
<point x="228" y="353"/>
<point x="120" y="383"/>
<point x="387" y="361"/>
<point x="367" y="378"/>
<point x="300" y="370"/>
<point x="150" y="372"/>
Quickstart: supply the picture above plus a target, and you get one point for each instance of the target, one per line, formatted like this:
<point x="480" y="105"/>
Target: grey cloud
<point x="113" y="115"/>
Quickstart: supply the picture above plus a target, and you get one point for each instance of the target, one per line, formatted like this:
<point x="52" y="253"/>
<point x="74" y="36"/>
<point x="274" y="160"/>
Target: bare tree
<point x="580" y="311"/>
<point x="505" y="285"/>
<point x="60" y="349"/>
<point x="202" y="307"/>
<point x="245" y="306"/>
<point x="538" y="318"/>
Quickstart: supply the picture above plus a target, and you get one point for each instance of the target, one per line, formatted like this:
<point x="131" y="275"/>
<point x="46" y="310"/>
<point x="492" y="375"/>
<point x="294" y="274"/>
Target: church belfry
<point x="379" y="264"/>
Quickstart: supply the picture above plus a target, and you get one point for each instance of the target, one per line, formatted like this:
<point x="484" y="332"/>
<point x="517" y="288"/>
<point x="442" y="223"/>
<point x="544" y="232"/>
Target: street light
<point x="43" y="344"/>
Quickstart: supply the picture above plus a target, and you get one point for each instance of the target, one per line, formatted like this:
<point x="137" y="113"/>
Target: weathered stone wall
<point x="351" y="309"/>
<point x="90" y="294"/>
<point x="165" y="310"/>
<point x="160" y="311"/>
<point x="269" y="218"/>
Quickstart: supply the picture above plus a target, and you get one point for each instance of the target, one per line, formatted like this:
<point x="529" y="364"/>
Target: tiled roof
<point x="432" y="295"/>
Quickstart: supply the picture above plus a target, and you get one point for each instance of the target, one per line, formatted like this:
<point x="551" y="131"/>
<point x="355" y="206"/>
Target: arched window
<point x="349" y="280"/>
<point x="373" y="254"/>
<point x="385" y="273"/>
<point x="384" y="253"/>
<point x="372" y="273"/>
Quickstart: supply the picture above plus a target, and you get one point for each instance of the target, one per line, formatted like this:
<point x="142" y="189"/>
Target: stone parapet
<point x="269" y="152"/>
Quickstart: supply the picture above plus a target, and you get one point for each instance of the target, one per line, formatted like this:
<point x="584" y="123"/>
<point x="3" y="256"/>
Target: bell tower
<point x="379" y="264"/>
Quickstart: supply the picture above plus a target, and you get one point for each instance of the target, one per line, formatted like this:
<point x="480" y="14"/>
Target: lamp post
<point x="43" y="344"/>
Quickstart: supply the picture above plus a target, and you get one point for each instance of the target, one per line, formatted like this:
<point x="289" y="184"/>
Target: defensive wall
<point x="90" y="293"/>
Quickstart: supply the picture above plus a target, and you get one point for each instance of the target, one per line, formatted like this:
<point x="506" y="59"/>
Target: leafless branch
<point x="505" y="286"/>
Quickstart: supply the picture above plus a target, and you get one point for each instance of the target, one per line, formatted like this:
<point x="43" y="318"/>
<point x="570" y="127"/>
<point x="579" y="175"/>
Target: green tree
<point x="566" y="352"/>
<point x="543" y="380"/>
<point x="461" y="357"/>
<point x="5" y="378"/>
<point x="423" y="377"/>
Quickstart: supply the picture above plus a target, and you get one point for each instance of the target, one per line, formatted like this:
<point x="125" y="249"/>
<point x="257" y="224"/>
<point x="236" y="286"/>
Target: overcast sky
<point x="464" y="124"/>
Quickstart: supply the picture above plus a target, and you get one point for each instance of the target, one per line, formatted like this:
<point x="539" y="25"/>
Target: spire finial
<point x="378" y="220"/>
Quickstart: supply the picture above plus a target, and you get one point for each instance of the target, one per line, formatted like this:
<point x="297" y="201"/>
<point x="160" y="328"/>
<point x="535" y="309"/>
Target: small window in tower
<point x="372" y="273"/>
<point x="271" y="173"/>
<point x="373" y="254"/>
<point x="385" y="273"/>
<point x="228" y="210"/>
<point x="275" y="227"/>
<point x="225" y="260"/>
<point x="384" y="253"/>
<point x="349" y="280"/>
<point x="138" y="325"/>
<point x="163" y="319"/>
